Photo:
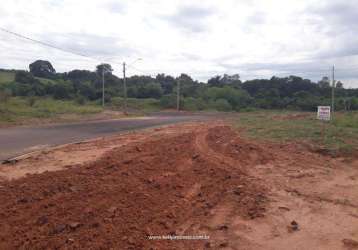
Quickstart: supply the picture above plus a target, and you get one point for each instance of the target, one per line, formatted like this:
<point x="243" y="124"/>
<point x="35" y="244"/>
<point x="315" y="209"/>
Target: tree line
<point x="223" y="93"/>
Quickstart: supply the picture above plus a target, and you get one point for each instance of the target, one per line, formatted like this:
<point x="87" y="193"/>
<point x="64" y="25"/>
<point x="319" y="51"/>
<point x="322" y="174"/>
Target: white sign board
<point x="324" y="113"/>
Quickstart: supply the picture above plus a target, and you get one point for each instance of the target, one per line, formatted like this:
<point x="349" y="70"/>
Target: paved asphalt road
<point x="19" y="140"/>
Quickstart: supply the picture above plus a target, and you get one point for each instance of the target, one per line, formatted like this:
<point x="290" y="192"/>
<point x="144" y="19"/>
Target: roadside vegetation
<point x="81" y="90"/>
<point x="16" y="110"/>
<point x="335" y="137"/>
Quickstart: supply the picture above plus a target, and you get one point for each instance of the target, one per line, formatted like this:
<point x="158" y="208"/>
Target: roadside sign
<point x="324" y="113"/>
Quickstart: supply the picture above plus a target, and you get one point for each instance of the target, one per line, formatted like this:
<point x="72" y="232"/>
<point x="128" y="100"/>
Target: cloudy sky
<point x="255" y="38"/>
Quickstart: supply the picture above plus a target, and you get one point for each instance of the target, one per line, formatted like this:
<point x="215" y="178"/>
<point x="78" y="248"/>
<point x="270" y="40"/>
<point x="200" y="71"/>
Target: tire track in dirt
<point x="201" y="144"/>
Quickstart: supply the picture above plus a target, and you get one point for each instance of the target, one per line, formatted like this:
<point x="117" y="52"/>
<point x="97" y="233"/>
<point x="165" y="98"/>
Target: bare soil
<point x="191" y="179"/>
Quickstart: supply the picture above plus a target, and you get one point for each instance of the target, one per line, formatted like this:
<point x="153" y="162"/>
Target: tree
<point x="104" y="67"/>
<point x="24" y="77"/>
<point x="42" y="68"/>
<point x="220" y="81"/>
<point x="324" y="83"/>
<point x="339" y="85"/>
<point x="151" y="90"/>
<point x="62" y="90"/>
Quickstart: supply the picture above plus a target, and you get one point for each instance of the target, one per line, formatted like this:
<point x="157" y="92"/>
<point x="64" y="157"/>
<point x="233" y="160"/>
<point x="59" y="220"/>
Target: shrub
<point x="168" y="101"/>
<point x="32" y="100"/>
<point x="4" y="96"/>
<point x="221" y="105"/>
<point x="81" y="100"/>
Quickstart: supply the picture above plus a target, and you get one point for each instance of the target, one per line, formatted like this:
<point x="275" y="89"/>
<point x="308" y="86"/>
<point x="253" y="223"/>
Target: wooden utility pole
<point x="333" y="87"/>
<point x="102" y="84"/>
<point x="125" y="88"/>
<point x="178" y="94"/>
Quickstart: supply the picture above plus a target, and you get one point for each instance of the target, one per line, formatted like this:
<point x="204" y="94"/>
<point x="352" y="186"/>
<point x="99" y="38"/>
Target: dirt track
<point x="193" y="179"/>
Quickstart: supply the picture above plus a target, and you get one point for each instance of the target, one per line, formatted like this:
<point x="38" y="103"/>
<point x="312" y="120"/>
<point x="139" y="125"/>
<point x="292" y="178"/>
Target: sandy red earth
<point x="193" y="179"/>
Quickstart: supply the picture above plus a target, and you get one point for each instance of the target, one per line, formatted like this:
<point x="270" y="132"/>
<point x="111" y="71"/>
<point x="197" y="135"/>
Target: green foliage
<point x="225" y="92"/>
<point x="237" y="98"/>
<point x="150" y="90"/>
<point x="24" y="77"/>
<point x="104" y="68"/>
<point x="42" y="68"/>
<point x="4" y="96"/>
<point x="81" y="100"/>
<point x="7" y="77"/>
<point x="62" y="90"/>
<point x="17" y="109"/>
<point x="221" y="105"/>
<point x="32" y="100"/>
<point x="168" y="101"/>
<point x="194" y="104"/>
<point x="149" y="104"/>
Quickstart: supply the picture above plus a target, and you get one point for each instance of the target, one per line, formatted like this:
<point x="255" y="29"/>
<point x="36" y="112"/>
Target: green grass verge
<point x="340" y="135"/>
<point x="6" y="77"/>
<point x="18" y="109"/>
<point x="145" y="105"/>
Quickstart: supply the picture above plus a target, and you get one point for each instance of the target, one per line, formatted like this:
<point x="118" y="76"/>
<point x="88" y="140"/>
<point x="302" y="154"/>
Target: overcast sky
<point x="254" y="38"/>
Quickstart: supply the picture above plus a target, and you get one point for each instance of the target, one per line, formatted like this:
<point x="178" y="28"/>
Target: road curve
<point x="20" y="140"/>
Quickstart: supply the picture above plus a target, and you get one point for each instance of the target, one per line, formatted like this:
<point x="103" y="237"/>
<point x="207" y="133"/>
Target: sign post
<point x="323" y="114"/>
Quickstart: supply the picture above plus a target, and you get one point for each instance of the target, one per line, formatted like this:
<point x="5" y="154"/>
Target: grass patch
<point x="18" y="109"/>
<point x="136" y="104"/>
<point x="6" y="77"/>
<point x="340" y="135"/>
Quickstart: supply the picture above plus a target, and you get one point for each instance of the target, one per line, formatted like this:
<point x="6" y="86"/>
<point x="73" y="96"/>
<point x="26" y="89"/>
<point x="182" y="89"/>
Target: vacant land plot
<point x="337" y="137"/>
<point x="195" y="179"/>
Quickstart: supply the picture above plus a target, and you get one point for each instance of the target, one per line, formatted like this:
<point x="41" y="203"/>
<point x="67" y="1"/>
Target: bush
<point x="150" y="90"/>
<point x="237" y="98"/>
<point x="221" y="105"/>
<point x="62" y="90"/>
<point x="81" y="100"/>
<point x="168" y="101"/>
<point x="24" y="77"/>
<point x="32" y="100"/>
<point x="4" y="96"/>
<point x="193" y="104"/>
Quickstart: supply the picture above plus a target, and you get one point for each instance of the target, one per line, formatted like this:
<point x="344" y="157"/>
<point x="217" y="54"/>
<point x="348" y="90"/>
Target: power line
<point x="47" y="44"/>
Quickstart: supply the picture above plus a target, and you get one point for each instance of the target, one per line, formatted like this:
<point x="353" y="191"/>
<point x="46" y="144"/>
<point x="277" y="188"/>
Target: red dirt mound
<point x="165" y="186"/>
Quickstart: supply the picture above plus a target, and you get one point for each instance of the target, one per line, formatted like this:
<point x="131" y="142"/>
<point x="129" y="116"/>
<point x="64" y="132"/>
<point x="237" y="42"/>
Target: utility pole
<point x="333" y="86"/>
<point x="125" y="88"/>
<point x="178" y="94"/>
<point x="102" y="85"/>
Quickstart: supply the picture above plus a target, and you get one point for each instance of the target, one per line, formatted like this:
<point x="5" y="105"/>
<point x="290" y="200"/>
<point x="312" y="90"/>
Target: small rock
<point x="293" y="226"/>
<point x="223" y="227"/>
<point x="112" y="209"/>
<point x="195" y="156"/>
<point x="9" y="161"/>
<point x="23" y="200"/>
<point x="284" y="208"/>
<point x="127" y="161"/>
<point x="74" y="225"/>
<point x="58" y="229"/>
<point x="238" y="190"/>
<point x="138" y="149"/>
<point x="224" y="244"/>
<point x="70" y="240"/>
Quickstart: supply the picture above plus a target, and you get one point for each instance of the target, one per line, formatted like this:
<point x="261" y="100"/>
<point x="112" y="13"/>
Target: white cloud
<point x="255" y="38"/>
